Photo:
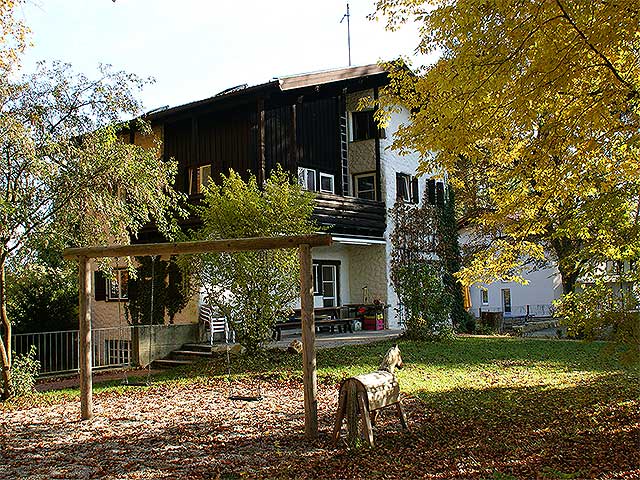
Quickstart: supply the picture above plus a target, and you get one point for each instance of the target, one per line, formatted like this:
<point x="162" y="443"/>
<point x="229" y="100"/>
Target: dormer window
<point x="199" y="177"/>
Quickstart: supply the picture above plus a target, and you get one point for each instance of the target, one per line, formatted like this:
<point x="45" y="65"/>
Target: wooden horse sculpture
<point x="365" y="394"/>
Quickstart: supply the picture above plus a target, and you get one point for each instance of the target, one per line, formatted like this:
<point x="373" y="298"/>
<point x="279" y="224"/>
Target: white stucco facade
<point x="534" y="298"/>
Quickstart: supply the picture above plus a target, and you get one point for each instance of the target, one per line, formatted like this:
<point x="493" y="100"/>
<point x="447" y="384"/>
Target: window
<point x="485" y="296"/>
<point x="406" y="188"/>
<point x="326" y="281"/>
<point x="364" y="126"/>
<point x="199" y="177"/>
<point x="117" y="351"/>
<point x="118" y="286"/>
<point x="365" y="186"/>
<point x="326" y="183"/>
<point x="307" y="178"/>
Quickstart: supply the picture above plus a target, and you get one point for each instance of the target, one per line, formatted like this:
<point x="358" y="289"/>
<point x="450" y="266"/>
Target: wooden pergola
<point x="304" y="244"/>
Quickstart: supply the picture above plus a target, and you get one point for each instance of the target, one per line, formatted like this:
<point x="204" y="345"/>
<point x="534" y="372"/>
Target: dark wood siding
<point x="177" y="146"/>
<point x="278" y="137"/>
<point x="318" y="136"/>
<point x="228" y="140"/>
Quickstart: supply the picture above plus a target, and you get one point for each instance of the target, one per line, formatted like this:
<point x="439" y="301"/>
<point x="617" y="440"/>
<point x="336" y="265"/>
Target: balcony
<point x="349" y="215"/>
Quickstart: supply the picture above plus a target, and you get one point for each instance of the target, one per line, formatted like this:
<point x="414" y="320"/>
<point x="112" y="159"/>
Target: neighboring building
<point x="535" y="298"/>
<point x="311" y="125"/>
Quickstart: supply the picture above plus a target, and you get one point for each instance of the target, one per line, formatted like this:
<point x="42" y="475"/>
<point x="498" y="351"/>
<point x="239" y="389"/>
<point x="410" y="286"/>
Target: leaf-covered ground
<point x="478" y="408"/>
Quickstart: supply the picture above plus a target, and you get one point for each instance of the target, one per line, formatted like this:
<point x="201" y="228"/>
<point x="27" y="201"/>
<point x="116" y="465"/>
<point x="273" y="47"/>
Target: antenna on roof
<point x="346" y="15"/>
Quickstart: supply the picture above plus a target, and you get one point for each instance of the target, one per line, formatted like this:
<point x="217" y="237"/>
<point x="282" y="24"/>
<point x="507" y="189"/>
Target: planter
<point x="373" y="322"/>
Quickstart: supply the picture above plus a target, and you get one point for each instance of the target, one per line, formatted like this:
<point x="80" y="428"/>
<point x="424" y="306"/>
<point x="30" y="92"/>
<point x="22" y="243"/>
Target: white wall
<point x="391" y="162"/>
<point x="544" y="286"/>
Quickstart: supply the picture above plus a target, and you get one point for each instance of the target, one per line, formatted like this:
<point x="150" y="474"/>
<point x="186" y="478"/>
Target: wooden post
<point x="308" y="344"/>
<point x="84" y="338"/>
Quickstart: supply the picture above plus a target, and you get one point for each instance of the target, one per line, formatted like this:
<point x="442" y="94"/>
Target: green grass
<point x="468" y="364"/>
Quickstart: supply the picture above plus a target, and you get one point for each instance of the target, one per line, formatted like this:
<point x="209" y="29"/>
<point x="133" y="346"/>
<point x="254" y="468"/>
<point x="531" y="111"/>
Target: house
<point x="311" y="125"/>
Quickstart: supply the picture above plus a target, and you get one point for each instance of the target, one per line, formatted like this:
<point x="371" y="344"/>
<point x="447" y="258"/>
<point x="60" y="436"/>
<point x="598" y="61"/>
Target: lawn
<point x="490" y="408"/>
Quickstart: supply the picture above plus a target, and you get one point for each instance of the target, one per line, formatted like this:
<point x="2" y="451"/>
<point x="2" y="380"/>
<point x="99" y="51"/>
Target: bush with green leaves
<point x="421" y="269"/>
<point x="425" y="300"/>
<point x="43" y="297"/>
<point x="24" y="371"/>
<point x="255" y="289"/>
<point x="602" y="311"/>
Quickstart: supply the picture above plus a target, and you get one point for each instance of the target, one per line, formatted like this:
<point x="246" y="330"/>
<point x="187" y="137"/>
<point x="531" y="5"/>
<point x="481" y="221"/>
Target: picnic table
<point x="343" y="324"/>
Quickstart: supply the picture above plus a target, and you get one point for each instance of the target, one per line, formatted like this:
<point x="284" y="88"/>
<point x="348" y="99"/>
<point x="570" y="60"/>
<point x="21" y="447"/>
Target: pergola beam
<point x="180" y="248"/>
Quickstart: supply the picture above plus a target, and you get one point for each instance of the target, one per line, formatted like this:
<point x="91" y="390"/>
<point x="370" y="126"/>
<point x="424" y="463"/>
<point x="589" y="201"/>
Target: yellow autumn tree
<point x="13" y="34"/>
<point x="533" y="110"/>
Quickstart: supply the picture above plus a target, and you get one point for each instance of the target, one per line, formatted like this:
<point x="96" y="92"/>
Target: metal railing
<point x="58" y="352"/>
<point x="542" y="310"/>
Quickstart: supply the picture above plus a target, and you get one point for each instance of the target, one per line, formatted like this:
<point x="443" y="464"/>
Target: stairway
<point x="186" y="355"/>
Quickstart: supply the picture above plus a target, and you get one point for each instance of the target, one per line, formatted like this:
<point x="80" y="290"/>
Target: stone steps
<point x="192" y="352"/>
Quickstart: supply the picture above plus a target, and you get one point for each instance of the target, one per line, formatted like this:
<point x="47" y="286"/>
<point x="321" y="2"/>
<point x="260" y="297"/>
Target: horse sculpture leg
<point x="342" y="408"/>
<point x="366" y="418"/>
<point x="401" y="415"/>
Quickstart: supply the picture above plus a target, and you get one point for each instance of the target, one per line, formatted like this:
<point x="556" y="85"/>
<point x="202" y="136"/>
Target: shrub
<point x="24" y="370"/>
<point x="425" y="300"/>
<point x="252" y="289"/>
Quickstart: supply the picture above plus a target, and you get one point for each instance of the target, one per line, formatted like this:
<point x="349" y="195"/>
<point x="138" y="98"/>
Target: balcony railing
<point x="349" y="215"/>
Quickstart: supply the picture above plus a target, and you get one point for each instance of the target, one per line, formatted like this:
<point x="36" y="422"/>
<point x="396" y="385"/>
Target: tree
<point x="532" y="108"/>
<point x="252" y="289"/>
<point x="14" y="35"/>
<point x="42" y="295"/>
<point x="66" y="175"/>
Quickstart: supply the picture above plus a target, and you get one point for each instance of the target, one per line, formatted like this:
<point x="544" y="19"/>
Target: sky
<point x="197" y="48"/>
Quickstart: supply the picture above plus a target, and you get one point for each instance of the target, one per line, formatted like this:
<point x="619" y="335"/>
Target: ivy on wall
<point x="157" y="293"/>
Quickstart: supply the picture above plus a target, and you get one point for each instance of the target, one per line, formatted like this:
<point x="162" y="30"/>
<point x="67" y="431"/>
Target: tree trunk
<point x="563" y="250"/>
<point x="5" y="331"/>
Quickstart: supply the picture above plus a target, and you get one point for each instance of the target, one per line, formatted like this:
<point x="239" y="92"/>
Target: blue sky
<point x="196" y="48"/>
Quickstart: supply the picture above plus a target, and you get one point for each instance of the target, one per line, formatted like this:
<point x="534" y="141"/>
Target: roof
<point x="284" y="83"/>
<point x="328" y="76"/>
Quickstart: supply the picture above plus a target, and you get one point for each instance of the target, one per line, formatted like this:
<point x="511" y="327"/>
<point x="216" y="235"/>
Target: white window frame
<point x="362" y="175"/>
<point x="115" y="283"/>
<point x="506" y="292"/>
<point x="407" y="181"/>
<point x="317" y="288"/>
<point x="304" y="174"/>
<point x="334" y="283"/>
<point x="333" y="183"/>
<point x="484" y="296"/>
<point x="195" y="188"/>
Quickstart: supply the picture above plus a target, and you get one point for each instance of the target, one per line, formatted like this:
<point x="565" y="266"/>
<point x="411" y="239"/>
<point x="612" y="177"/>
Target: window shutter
<point x="440" y="194"/>
<point x="414" y="190"/>
<point x="100" y="286"/>
<point x="431" y="191"/>
<point x="399" y="186"/>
